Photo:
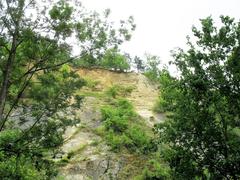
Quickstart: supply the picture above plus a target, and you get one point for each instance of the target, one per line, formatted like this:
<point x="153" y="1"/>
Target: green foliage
<point x="61" y="14"/>
<point x="112" y="59"/>
<point x="118" y="90"/>
<point x="117" y="119"/>
<point x="99" y="39"/>
<point x="23" y="152"/>
<point x="37" y="87"/>
<point x="91" y="83"/>
<point x="117" y="141"/>
<point x="117" y="124"/>
<point x="167" y="92"/>
<point x="155" y="170"/>
<point x="57" y="85"/>
<point x="140" y="141"/>
<point x="140" y="65"/>
<point x="120" y="131"/>
<point x="152" y="70"/>
<point x="112" y="91"/>
<point x="15" y="164"/>
<point x="203" y="122"/>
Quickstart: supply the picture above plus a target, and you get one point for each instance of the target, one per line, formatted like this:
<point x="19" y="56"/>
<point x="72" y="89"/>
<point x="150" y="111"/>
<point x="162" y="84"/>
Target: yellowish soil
<point x="143" y="97"/>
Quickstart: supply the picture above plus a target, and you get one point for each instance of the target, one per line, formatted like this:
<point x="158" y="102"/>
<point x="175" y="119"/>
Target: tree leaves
<point x="204" y="109"/>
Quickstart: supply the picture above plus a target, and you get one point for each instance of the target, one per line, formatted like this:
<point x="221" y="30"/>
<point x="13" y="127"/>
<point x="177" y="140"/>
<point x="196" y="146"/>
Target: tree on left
<point x="36" y="83"/>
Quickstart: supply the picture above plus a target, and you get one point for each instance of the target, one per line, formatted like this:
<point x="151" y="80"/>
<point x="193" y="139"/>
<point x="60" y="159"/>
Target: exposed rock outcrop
<point x="86" y="152"/>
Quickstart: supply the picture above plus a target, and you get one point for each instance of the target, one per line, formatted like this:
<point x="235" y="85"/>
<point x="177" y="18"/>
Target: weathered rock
<point x="92" y="158"/>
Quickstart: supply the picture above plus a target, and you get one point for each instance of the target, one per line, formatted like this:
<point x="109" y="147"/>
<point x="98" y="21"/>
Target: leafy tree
<point x="203" y="125"/>
<point x="167" y="92"/>
<point x="99" y="36"/>
<point x="36" y="84"/>
<point x="152" y="70"/>
<point x="139" y="63"/>
<point x="112" y="59"/>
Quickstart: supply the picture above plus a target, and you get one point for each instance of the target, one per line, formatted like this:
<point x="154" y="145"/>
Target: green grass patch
<point x="91" y="84"/>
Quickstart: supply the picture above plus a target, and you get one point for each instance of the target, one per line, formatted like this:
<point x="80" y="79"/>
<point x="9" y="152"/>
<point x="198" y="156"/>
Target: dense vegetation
<point x="202" y="129"/>
<point x="36" y="84"/>
<point x="121" y="129"/>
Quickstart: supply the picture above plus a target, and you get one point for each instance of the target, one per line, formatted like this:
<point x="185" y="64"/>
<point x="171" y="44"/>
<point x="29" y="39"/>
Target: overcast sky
<point x="163" y="24"/>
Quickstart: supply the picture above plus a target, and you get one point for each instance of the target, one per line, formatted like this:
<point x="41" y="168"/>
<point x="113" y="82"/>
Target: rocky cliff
<point x="85" y="154"/>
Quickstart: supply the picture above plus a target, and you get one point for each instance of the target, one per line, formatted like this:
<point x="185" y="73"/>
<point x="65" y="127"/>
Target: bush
<point x="168" y="92"/>
<point x="112" y="91"/>
<point x="108" y="112"/>
<point x="91" y="83"/>
<point x="113" y="120"/>
<point x="117" y="141"/>
<point x="120" y="133"/>
<point x="127" y="90"/>
<point x="118" y="90"/>
<point x="117" y="124"/>
<point x="155" y="170"/>
<point x="140" y="141"/>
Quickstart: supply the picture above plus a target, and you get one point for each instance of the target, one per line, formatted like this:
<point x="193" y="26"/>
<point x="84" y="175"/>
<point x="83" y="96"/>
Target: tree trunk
<point x="6" y="76"/>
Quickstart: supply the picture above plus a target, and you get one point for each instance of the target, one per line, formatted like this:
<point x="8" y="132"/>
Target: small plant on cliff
<point x="120" y="131"/>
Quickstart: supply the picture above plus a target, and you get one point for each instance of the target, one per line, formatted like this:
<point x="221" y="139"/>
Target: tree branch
<point x="16" y="100"/>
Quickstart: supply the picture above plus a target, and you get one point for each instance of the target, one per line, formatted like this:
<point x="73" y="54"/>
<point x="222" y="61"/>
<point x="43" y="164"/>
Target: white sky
<point x="163" y="24"/>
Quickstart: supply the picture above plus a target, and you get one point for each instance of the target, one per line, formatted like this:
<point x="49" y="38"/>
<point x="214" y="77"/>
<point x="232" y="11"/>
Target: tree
<point x="99" y="36"/>
<point x="139" y="63"/>
<point x="112" y="59"/>
<point x="203" y="125"/>
<point x="36" y="84"/>
<point x="152" y="70"/>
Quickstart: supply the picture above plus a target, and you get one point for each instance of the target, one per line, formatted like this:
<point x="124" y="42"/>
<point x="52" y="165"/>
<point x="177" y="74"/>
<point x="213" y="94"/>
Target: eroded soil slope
<point x="143" y="96"/>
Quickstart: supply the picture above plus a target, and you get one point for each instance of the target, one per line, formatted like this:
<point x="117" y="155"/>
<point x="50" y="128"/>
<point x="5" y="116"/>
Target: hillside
<point x="85" y="154"/>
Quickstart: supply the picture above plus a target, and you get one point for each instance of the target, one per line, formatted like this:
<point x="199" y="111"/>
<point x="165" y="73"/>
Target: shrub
<point x="141" y="142"/>
<point x="155" y="170"/>
<point x="120" y="133"/>
<point x="113" y="120"/>
<point x="91" y="83"/>
<point x="125" y="109"/>
<point x="127" y="90"/>
<point x="124" y="104"/>
<point x="118" y="90"/>
<point x="117" y="124"/>
<point x="112" y="91"/>
<point x="108" y="112"/>
<point x="117" y="141"/>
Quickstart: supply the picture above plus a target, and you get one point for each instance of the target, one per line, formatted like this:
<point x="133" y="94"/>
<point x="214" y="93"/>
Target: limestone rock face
<point x="105" y="168"/>
<point x="87" y="154"/>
